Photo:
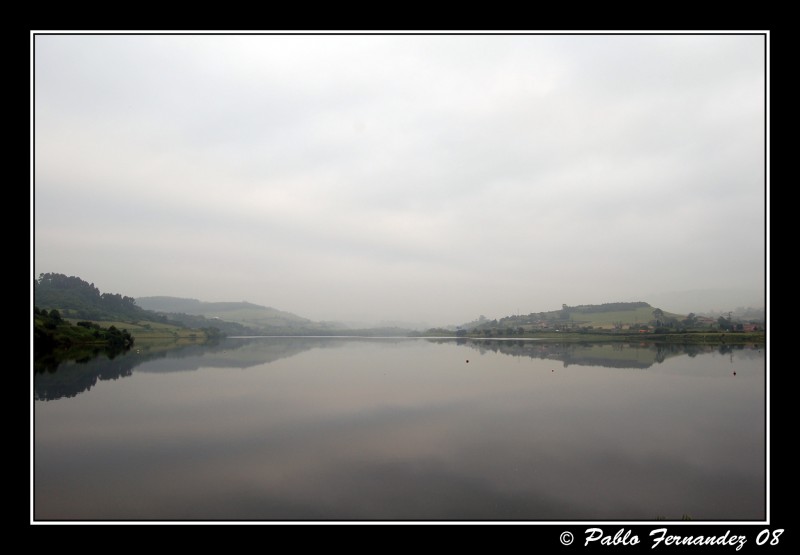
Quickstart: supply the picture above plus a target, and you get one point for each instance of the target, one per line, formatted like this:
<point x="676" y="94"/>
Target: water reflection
<point x="610" y="355"/>
<point x="348" y="429"/>
<point x="67" y="378"/>
<point x="55" y="379"/>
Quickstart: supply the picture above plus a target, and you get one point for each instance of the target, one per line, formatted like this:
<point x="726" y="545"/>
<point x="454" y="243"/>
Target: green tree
<point x="658" y="314"/>
<point x="724" y="323"/>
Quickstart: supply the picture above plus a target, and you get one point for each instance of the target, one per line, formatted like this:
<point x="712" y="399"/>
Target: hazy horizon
<point x="419" y="178"/>
<point x="680" y="302"/>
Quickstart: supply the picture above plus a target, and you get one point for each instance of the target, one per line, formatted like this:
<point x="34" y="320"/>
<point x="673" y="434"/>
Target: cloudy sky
<point x="428" y="178"/>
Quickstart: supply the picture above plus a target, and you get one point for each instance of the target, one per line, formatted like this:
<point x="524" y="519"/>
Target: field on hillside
<point x="148" y="331"/>
<point x="643" y="315"/>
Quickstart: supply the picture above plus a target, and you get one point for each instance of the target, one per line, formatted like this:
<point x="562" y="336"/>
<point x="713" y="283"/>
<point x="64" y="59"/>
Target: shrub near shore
<point x="51" y="331"/>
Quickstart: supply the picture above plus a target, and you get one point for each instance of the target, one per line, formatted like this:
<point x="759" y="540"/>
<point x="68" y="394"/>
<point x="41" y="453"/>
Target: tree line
<point x="51" y="331"/>
<point x="79" y="299"/>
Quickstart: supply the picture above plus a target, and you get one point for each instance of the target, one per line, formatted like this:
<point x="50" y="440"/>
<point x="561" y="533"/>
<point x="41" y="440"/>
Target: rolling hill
<point x="602" y="316"/>
<point x="253" y="316"/>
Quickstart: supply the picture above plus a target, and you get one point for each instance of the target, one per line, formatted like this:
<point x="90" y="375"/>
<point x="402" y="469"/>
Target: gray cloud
<point x="421" y="177"/>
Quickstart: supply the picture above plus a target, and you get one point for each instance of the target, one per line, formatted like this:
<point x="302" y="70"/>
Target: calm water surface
<point x="403" y="429"/>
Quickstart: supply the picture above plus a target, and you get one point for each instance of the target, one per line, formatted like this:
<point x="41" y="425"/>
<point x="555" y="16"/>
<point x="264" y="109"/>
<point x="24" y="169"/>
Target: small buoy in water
<point x="552" y="370"/>
<point x="467" y="361"/>
<point x="734" y="373"/>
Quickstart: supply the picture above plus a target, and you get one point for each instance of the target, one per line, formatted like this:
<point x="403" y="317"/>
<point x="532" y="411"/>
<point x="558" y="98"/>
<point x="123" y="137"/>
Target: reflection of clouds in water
<point x="515" y="453"/>
<point x="405" y="429"/>
<point x="246" y="352"/>
<point x="72" y="378"/>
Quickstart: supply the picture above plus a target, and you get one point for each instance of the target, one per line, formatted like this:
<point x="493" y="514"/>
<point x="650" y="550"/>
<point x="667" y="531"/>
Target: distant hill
<point x="602" y="316"/>
<point x="189" y="306"/>
<point x="75" y="298"/>
<point x="244" y="313"/>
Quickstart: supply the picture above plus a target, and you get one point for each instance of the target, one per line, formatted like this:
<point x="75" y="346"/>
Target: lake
<point x="398" y="429"/>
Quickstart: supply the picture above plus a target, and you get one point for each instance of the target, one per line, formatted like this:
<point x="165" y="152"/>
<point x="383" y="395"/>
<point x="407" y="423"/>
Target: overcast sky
<point x="428" y="178"/>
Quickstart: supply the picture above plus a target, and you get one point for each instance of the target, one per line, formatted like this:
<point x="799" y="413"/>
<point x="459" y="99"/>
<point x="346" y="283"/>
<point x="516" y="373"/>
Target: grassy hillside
<point x="602" y="316"/>
<point x="147" y="331"/>
<point x="608" y="319"/>
<point x="244" y="313"/>
<point x="618" y="319"/>
<point x="84" y="313"/>
<point x="55" y="337"/>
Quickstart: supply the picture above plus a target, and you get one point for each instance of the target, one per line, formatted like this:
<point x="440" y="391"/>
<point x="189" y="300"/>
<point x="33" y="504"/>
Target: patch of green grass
<point x="642" y="315"/>
<point x="144" y="331"/>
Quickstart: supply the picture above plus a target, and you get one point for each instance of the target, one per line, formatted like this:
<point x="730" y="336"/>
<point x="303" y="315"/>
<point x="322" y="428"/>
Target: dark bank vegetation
<point x="80" y="303"/>
<point x="73" y="321"/>
<point x="51" y="332"/>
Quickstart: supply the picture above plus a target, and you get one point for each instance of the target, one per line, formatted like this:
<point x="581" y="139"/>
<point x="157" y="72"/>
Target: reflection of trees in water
<point x="56" y="377"/>
<point x="667" y="350"/>
<point x="740" y="352"/>
<point x="66" y="373"/>
<point x="49" y="361"/>
<point x="75" y="372"/>
<point x="615" y="355"/>
<point x="68" y="378"/>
